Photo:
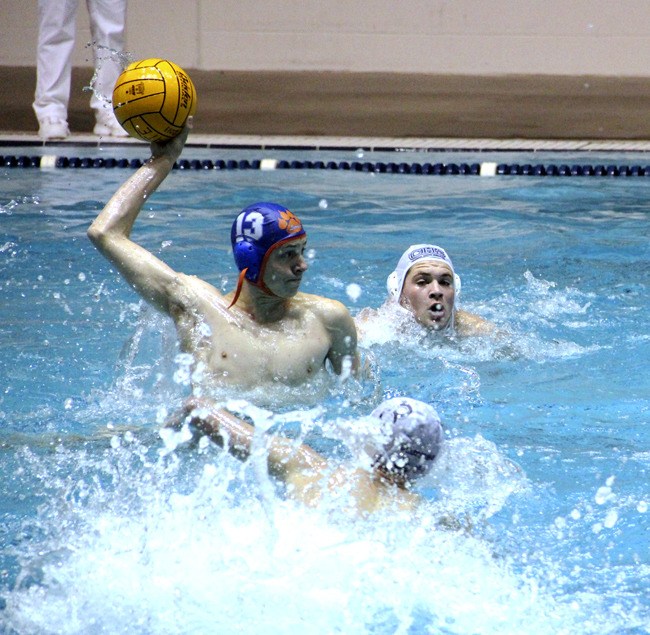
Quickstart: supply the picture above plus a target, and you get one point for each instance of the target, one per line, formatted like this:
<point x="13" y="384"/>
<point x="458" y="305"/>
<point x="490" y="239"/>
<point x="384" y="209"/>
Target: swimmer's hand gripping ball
<point x="153" y="98"/>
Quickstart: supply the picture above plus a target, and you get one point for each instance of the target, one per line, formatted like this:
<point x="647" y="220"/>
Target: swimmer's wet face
<point x="285" y="267"/>
<point x="429" y="293"/>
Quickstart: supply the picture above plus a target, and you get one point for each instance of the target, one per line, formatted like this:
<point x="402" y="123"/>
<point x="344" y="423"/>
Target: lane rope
<point x="486" y="168"/>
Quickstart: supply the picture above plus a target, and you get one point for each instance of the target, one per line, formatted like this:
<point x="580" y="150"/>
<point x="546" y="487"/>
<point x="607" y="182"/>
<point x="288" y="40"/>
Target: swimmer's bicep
<point x="149" y="276"/>
<point x="343" y="333"/>
<point x="159" y="284"/>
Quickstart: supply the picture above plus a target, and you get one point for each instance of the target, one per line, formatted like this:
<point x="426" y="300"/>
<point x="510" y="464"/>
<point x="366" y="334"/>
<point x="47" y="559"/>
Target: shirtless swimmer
<point x="266" y="331"/>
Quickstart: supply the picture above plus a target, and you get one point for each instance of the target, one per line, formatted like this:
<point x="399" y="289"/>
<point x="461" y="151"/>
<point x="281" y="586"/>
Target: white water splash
<point x="157" y="553"/>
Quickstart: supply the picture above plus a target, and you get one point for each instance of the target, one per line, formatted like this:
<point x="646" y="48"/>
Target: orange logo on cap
<point x="289" y="222"/>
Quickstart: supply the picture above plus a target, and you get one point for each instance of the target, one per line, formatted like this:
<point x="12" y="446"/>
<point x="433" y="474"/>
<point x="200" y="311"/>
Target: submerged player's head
<point x="261" y="234"/>
<point x="425" y="283"/>
<point x="409" y="441"/>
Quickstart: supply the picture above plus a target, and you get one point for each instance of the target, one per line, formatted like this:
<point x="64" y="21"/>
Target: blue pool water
<point x="107" y="528"/>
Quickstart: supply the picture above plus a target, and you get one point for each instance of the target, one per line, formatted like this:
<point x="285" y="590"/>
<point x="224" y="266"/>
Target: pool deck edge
<point x="339" y="142"/>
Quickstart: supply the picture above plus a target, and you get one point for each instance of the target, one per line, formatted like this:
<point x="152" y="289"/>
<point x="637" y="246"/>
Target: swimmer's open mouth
<point x="437" y="312"/>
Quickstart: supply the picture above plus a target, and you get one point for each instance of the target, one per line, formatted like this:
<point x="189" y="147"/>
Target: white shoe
<point x="109" y="128"/>
<point x="51" y="129"/>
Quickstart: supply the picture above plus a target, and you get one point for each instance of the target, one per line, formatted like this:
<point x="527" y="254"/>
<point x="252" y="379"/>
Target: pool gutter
<point x="334" y="143"/>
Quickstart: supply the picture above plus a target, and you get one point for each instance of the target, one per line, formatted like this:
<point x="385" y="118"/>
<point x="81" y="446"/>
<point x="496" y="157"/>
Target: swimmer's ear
<point x="457" y="287"/>
<point x="391" y="285"/>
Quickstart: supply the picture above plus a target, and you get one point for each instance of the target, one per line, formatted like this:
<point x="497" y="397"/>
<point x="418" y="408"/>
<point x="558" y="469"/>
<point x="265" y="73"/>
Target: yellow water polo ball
<point x="153" y="98"/>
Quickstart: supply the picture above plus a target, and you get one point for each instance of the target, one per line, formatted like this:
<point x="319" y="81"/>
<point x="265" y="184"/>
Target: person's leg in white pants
<point x="56" y="35"/>
<point x="56" y="41"/>
<point x="107" y="19"/>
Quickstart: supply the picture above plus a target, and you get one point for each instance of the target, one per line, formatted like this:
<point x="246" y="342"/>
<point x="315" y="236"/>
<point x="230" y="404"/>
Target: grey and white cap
<point x="411" y="437"/>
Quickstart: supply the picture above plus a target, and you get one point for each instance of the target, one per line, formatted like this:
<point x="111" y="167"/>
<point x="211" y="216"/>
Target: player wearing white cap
<point x="402" y="441"/>
<point x="426" y="285"/>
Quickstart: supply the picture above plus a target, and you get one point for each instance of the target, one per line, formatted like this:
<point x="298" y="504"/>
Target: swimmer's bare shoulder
<point x="352" y="489"/>
<point x="200" y="287"/>
<point x="368" y="495"/>
<point x="192" y="295"/>
<point x="338" y="322"/>
<point x="330" y="311"/>
<point x="468" y="324"/>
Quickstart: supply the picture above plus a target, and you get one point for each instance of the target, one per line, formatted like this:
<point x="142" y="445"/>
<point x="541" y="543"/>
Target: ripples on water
<point x="536" y="514"/>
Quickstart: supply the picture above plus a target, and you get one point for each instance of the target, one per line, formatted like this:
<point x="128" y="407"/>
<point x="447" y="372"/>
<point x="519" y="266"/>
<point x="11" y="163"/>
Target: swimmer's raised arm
<point x="110" y="232"/>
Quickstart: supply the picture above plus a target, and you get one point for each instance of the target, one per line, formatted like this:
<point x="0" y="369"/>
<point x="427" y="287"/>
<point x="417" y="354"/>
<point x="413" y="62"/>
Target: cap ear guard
<point x="391" y="285"/>
<point x="457" y="287"/>
<point x="247" y="257"/>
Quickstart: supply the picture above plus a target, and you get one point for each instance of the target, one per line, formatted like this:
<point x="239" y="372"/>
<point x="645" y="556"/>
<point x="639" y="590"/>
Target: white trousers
<point x="56" y="39"/>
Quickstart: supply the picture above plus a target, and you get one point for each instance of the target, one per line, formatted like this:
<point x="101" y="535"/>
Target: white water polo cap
<point x="410" y="437"/>
<point x="414" y="254"/>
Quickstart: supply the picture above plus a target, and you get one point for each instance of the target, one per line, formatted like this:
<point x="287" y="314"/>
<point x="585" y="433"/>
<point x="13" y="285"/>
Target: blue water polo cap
<point x="257" y="231"/>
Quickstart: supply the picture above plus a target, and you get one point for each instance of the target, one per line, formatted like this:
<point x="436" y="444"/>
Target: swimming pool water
<point x="107" y="528"/>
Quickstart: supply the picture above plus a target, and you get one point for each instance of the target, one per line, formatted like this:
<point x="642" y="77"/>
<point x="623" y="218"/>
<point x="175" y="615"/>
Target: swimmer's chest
<point x="287" y="351"/>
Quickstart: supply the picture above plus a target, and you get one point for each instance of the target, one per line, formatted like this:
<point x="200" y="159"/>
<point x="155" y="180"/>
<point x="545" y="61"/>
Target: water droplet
<point x="354" y="291"/>
<point x="204" y="329"/>
<point x="161" y="415"/>
<point x="610" y="518"/>
<point x="603" y="495"/>
<point x="322" y="203"/>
